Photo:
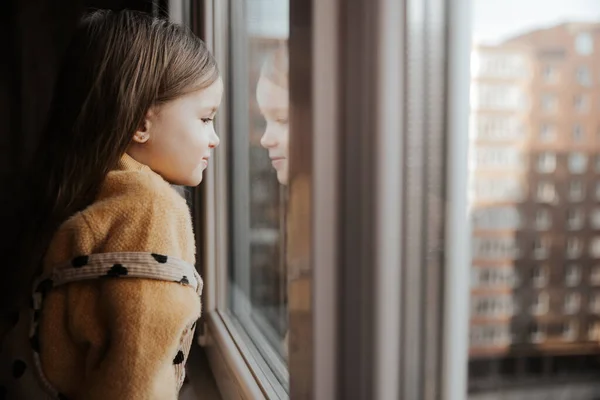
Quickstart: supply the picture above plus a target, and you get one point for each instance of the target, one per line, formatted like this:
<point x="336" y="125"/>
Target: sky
<point x="496" y="20"/>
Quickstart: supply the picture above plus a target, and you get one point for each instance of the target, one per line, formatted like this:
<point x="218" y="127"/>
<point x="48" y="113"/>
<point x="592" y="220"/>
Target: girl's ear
<point x="142" y="135"/>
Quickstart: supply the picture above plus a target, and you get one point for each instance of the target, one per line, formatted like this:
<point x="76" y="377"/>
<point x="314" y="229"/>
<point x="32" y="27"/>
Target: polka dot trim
<point x="109" y="266"/>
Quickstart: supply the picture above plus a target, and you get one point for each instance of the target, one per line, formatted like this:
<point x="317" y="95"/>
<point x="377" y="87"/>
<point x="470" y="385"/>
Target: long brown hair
<point x="116" y="67"/>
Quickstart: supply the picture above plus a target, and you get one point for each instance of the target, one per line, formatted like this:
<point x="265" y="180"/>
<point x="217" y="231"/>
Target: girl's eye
<point x="207" y="120"/>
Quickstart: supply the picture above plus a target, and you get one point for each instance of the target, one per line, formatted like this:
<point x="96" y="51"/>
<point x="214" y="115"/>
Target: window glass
<point x="549" y="103"/>
<point x="578" y="133"/>
<point x="584" y="44"/>
<point x="258" y="161"/>
<point x="550" y="343"/>
<point x="576" y="190"/>
<point x="577" y="163"/>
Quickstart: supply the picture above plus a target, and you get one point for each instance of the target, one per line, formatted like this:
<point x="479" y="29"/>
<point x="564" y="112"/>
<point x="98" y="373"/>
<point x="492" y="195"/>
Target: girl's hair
<point x="117" y="66"/>
<point x="275" y="67"/>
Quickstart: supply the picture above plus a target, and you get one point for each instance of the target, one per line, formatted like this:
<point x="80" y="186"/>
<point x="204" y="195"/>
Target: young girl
<point x="115" y="295"/>
<point x="272" y="95"/>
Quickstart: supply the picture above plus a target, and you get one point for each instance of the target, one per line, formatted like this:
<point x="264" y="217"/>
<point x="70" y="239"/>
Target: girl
<point x="116" y="295"/>
<point x="272" y="96"/>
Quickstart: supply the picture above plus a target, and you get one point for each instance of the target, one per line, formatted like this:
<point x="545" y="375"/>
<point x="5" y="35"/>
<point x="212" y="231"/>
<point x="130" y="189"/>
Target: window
<point x="575" y="218"/>
<point x="549" y="103"/>
<point x="499" y="189"/>
<point x="574" y="247"/>
<point x="569" y="331"/>
<point x="497" y="157"/>
<point x="572" y="275"/>
<point x="584" y="44"/>
<point x="577" y="163"/>
<point x="541" y="303"/>
<point x="584" y="77"/>
<point x="496" y="218"/>
<point x="581" y="103"/>
<point x="495" y="248"/>
<point x="543" y="219"/>
<point x="536" y="333"/>
<point x="495" y="277"/>
<point x="572" y="303"/>
<point x="546" y="162"/>
<point x="494" y="306"/>
<point x="539" y="276"/>
<point x="547" y="133"/>
<point x="594" y="331"/>
<point x="595" y="218"/>
<point x="576" y="190"/>
<point x="546" y="193"/>
<point x="541" y="247"/>
<point x="578" y="134"/>
<point x="559" y="234"/>
<point x="549" y="73"/>
<point x="250" y="184"/>
<point x="595" y="275"/>
<point x="497" y="128"/>
<point x="595" y="247"/>
<point x="595" y="303"/>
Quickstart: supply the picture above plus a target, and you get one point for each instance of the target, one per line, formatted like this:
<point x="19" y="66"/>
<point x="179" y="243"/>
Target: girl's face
<point x="273" y="103"/>
<point x="178" y="136"/>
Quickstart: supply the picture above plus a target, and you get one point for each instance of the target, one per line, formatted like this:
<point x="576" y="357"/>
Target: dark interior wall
<point x="33" y="36"/>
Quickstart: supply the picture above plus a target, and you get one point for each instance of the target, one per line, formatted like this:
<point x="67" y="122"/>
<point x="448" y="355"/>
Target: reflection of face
<point x="181" y="135"/>
<point x="273" y="104"/>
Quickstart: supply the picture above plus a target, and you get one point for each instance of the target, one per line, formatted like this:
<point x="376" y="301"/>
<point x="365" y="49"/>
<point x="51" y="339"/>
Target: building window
<point x="541" y="248"/>
<point x="578" y="133"/>
<point x="550" y="73"/>
<point x="547" y="133"/>
<point x="595" y="218"/>
<point x="584" y="77"/>
<point x="574" y="247"/>
<point x="543" y="219"/>
<point x="549" y="103"/>
<point x="594" y="331"/>
<point x="536" y="333"/>
<point x="575" y="218"/>
<point x="569" y="331"/>
<point x="546" y="162"/>
<point x="595" y="275"/>
<point x="595" y="303"/>
<point x="576" y="190"/>
<point x="577" y="163"/>
<point x="491" y="277"/>
<point x="496" y="218"/>
<point x="546" y="192"/>
<point x="539" y="276"/>
<point x="581" y="104"/>
<point x="541" y="304"/>
<point x="493" y="306"/>
<point x="595" y="247"/>
<point x="572" y="275"/>
<point x="572" y="303"/>
<point x="584" y="44"/>
<point x="494" y="248"/>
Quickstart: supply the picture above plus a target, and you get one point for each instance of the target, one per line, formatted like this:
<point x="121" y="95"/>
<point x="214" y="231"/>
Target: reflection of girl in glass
<point x="272" y="96"/>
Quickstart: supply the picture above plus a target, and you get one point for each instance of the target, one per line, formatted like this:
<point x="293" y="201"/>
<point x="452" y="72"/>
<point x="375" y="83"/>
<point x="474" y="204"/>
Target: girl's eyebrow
<point x="210" y="110"/>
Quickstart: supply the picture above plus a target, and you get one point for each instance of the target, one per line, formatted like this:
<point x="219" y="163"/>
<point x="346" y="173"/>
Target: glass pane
<point x="259" y="137"/>
<point x="533" y="95"/>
